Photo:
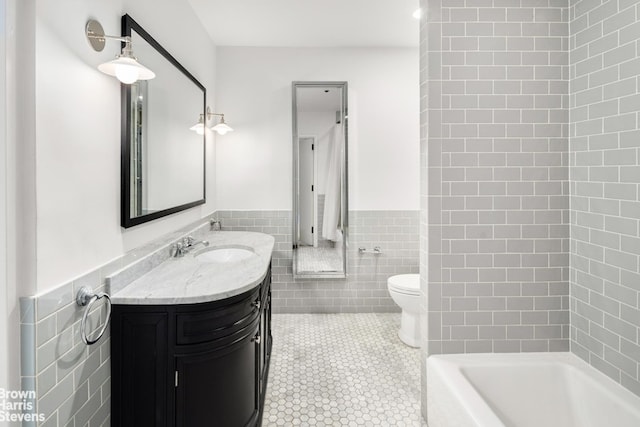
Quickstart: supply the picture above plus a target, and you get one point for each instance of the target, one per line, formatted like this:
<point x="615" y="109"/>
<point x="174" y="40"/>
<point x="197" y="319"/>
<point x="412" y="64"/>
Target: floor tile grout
<point x="342" y="370"/>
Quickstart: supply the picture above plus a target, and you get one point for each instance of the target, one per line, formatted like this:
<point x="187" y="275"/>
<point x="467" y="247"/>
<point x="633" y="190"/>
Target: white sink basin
<point x="225" y="255"/>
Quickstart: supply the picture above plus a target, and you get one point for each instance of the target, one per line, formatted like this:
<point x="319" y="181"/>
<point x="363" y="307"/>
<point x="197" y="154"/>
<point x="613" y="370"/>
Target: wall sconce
<point x="221" y="127"/>
<point x="199" y="127"/>
<point x="125" y="67"/>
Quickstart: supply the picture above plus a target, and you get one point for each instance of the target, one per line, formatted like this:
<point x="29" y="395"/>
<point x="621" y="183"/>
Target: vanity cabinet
<point x="192" y="365"/>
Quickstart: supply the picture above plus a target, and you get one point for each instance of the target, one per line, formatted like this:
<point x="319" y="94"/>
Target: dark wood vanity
<point x="192" y="365"/>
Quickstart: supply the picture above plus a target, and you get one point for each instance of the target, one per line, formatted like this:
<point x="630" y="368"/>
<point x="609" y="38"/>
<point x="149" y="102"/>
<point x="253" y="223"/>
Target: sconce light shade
<point x="198" y="127"/>
<point x="126" y="69"/>
<point x="222" y="128"/>
<point x="126" y="66"/>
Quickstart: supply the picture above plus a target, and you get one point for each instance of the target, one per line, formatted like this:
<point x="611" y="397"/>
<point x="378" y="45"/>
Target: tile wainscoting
<point x="71" y="381"/>
<point x="365" y="288"/>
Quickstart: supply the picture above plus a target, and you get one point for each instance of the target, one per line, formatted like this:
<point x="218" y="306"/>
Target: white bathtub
<point x="524" y="390"/>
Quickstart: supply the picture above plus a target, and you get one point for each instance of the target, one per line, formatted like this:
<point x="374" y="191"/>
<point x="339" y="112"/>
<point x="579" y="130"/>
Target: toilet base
<point x="409" y="332"/>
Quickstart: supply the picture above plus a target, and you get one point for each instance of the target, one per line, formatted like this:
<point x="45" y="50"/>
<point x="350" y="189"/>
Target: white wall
<point x="77" y="125"/>
<point x="253" y="166"/>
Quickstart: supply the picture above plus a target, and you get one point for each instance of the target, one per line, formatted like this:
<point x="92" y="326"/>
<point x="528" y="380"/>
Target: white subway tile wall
<point x="604" y="177"/>
<point x="495" y="175"/>
<point x="365" y="288"/>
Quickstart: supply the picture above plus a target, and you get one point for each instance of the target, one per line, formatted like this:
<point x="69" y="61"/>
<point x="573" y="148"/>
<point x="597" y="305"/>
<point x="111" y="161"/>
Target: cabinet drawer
<point x="204" y="324"/>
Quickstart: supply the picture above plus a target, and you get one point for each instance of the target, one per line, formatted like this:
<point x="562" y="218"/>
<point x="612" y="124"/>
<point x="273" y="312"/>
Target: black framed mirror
<point x="163" y="161"/>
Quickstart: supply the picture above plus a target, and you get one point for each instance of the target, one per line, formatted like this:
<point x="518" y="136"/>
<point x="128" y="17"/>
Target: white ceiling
<point x="310" y="23"/>
<point x="316" y="100"/>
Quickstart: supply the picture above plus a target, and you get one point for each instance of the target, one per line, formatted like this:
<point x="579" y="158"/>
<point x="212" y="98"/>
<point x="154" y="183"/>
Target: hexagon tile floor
<point x="341" y="370"/>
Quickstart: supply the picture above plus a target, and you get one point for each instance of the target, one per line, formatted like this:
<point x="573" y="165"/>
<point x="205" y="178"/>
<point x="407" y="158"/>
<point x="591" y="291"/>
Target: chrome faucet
<point x="186" y="245"/>
<point x="216" y="224"/>
<point x="177" y="250"/>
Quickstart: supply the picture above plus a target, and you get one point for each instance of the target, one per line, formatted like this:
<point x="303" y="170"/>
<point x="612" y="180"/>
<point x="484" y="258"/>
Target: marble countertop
<point x="185" y="280"/>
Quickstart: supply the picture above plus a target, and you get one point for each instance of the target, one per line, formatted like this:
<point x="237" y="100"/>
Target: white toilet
<point x="405" y="291"/>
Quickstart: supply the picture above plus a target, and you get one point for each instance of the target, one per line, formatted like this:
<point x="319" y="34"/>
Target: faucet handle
<point x="188" y="241"/>
<point x="177" y="249"/>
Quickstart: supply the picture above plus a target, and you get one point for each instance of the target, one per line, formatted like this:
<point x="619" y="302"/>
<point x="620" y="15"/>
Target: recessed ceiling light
<point x="418" y="13"/>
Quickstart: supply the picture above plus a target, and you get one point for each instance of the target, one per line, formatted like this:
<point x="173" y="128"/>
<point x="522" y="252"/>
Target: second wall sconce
<point x="221" y="127"/>
<point x="125" y="67"/>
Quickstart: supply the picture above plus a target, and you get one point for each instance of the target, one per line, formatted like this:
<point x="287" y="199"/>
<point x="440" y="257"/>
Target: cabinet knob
<point x="257" y="339"/>
<point x="256" y="304"/>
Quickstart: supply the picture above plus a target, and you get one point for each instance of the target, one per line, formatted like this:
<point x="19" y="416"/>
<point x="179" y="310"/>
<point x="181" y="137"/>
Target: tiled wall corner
<point x="498" y="212"/>
<point x="429" y="12"/>
<point x="605" y="193"/>
<point x="365" y="289"/>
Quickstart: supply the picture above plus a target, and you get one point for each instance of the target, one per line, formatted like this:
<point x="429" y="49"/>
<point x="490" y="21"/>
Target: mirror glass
<point x="320" y="220"/>
<point x="163" y="161"/>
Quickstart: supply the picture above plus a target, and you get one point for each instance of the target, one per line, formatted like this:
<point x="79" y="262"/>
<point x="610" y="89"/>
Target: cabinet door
<point x="139" y="364"/>
<point x="219" y="387"/>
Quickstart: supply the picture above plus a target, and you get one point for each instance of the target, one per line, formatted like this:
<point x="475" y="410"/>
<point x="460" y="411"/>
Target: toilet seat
<point x="408" y="284"/>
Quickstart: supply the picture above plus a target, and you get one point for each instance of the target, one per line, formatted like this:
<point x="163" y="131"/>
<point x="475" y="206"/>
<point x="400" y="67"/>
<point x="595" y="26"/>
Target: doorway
<point x="308" y="200"/>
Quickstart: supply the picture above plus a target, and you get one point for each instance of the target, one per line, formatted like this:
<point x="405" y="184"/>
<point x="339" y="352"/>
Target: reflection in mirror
<point x="320" y="179"/>
<point x="163" y="162"/>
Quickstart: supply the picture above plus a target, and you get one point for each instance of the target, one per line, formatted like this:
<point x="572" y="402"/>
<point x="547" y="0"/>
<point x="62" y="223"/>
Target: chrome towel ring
<point x="86" y="298"/>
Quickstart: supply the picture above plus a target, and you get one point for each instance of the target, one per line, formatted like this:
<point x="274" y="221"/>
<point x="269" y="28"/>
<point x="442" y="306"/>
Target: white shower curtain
<point x="332" y="207"/>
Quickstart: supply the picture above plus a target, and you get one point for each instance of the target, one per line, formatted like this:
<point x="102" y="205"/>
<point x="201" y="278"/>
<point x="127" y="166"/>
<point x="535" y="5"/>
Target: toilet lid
<point x="405" y="283"/>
